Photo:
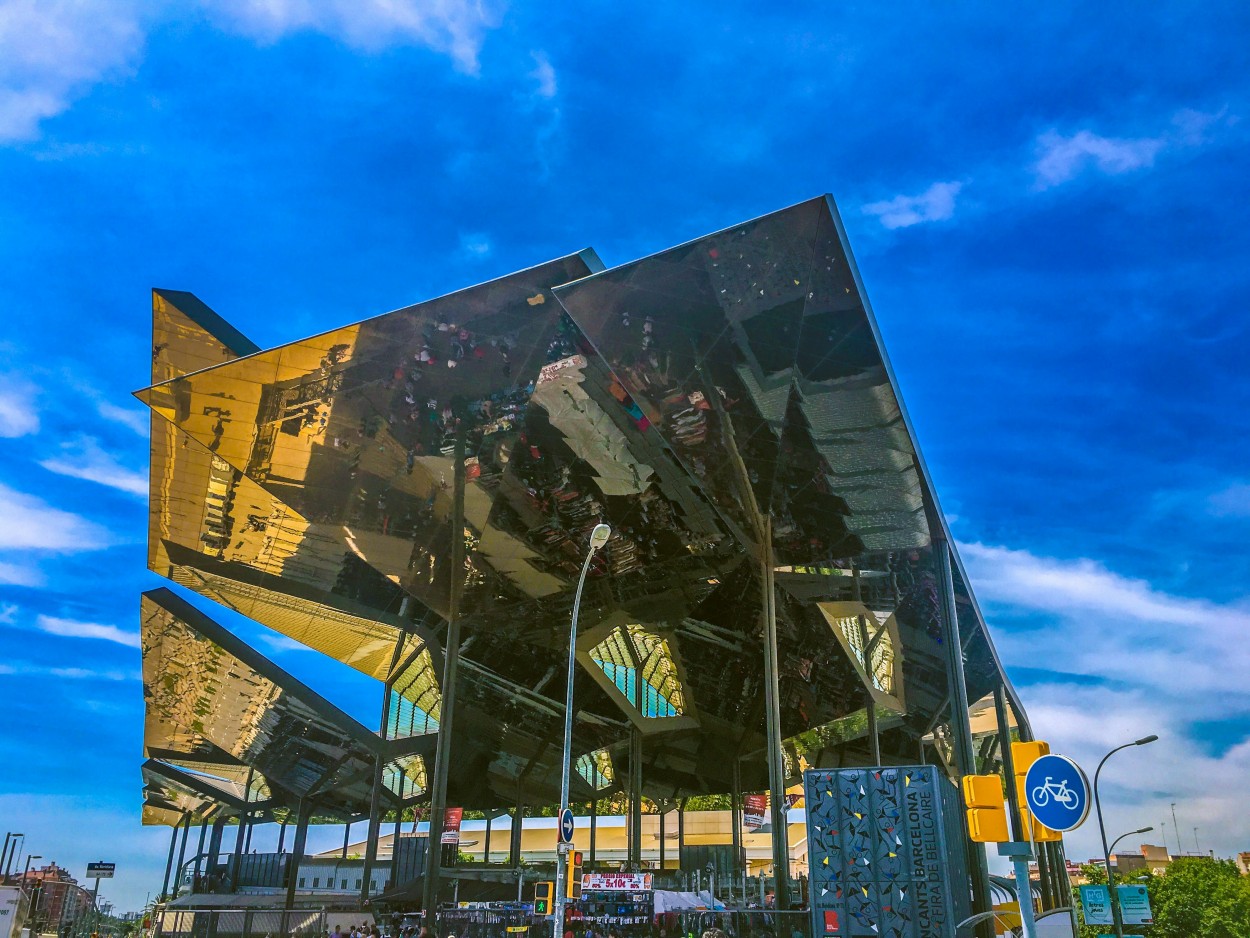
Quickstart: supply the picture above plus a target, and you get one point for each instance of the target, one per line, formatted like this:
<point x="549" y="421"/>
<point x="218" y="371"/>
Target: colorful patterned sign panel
<point x="885" y="852"/>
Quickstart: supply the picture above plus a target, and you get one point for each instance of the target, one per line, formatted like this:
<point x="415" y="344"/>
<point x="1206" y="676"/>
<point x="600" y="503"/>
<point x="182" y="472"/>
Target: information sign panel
<point x="1057" y="792"/>
<point x="1134" y="905"/>
<point x="754" y="808"/>
<point x="1096" y="905"/>
<point x="451" y="825"/>
<point x="100" y="870"/>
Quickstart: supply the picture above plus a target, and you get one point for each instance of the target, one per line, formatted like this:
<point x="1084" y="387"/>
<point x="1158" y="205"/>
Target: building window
<point x="316" y="881"/>
<point x="357" y="884"/>
<point x="373" y="885"/>
<point x="301" y="882"/>
<point x="344" y="884"/>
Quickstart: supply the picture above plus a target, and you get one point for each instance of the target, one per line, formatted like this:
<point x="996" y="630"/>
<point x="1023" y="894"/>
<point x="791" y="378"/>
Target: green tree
<point x="1196" y="897"/>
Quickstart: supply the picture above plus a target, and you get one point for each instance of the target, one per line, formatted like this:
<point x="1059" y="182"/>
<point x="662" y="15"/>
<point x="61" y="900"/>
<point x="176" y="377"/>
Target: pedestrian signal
<point x="543" y="894"/>
<point x="573" y="882"/>
<point x="987" y="814"/>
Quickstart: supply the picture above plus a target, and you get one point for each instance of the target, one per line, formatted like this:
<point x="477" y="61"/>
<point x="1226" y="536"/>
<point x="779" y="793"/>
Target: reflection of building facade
<point x="412" y="495"/>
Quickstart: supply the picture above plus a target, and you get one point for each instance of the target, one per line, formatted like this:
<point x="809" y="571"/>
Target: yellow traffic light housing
<point x="573" y="882"/>
<point x="1023" y="755"/>
<point x="987" y="814"/>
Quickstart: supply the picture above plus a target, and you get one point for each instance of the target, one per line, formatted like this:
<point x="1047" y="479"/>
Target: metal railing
<point x="239" y="923"/>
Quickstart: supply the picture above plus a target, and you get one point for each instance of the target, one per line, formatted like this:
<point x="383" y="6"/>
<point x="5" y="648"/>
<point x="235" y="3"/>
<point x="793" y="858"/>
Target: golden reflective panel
<point x="207" y="694"/>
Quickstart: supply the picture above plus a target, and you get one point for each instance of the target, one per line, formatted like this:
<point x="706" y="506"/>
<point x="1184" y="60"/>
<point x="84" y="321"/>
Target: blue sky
<point x="1047" y="206"/>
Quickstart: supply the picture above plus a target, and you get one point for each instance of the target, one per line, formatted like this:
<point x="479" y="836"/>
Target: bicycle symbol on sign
<point x="1059" y="791"/>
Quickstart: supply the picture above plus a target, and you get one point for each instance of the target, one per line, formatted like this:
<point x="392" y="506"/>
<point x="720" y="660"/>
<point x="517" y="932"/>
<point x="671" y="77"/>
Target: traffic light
<point x="1023" y="755"/>
<point x="987" y="814"/>
<point x="573" y="882"/>
<point x="543" y="894"/>
<point x="1028" y="823"/>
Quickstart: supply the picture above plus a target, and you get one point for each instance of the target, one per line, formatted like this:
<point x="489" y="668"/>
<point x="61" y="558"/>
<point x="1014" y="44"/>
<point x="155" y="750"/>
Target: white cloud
<point x="131" y="418"/>
<point x="1231" y="502"/>
<point x="72" y="628"/>
<point x="1138" y="785"/>
<point x="16" y="574"/>
<point x="1063" y="158"/>
<point x="937" y="203"/>
<point x="476" y="245"/>
<point x="544" y="76"/>
<point x="18" y="414"/>
<point x="29" y="523"/>
<point x="8" y="613"/>
<point x="51" y="51"/>
<point x="84" y="458"/>
<point x="29" y="669"/>
<point x="282" y="643"/>
<point x="454" y="27"/>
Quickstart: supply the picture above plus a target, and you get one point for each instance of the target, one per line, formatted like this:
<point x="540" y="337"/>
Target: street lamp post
<point x="1102" y="830"/>
<point x="13" y="854"/>
<point x="36" y="856"/>
<point x="598" y="537"/>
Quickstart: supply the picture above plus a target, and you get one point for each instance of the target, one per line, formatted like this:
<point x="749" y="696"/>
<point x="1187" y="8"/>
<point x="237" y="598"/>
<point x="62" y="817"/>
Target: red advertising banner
<point x="617" y="882"/>
<point x="451" y="825"/>
<point x="754" y="808"/>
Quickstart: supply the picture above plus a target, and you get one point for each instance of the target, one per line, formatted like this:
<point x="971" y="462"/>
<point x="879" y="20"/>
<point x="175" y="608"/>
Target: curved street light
<point x="1102" y="830"/>
<point x="598" y="537"/>
<point x="1140" y="830"/>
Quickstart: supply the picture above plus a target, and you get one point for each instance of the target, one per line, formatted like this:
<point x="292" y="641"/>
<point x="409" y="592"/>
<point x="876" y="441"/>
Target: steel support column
<point x="486" y="838"/>
<point x="594" y="823"/>
<point x="635" y="795"/>
<point x="514" y="836"/>
<point x="451" y="666"/>
<point x="169" y="863"/>
<point x="199" y="850"/>
<point x="297" y="852"/>
<point x="347" y="832"/>
<point x="874" y="738"/>
<point x="214" y="841"/>
<point x="1018" y="834"/>
<point x="237" y="858"/>
<point x="681" y="831"/>
<point x="374" y="830"/>
<point x="282" y="833"/>
<point x="182" y="850"/>
<point x="772" y="719"/>
<point x="961" y="729"/>
<point x="735" y="814"/>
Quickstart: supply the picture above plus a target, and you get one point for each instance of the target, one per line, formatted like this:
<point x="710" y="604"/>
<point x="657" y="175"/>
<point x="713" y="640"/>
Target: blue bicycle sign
<point x="1057" y="792"/>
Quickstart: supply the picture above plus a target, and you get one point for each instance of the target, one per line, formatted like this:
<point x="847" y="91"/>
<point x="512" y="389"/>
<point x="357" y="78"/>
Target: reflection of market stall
<point x="614" y="903"/>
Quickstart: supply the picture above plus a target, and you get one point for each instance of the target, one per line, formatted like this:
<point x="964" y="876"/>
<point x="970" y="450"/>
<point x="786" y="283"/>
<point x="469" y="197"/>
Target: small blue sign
<point x="566" y="826"/>
<point x="1057" y="792"/>
<point x="1096" y="905"/>
<point x="1134" y="905"/>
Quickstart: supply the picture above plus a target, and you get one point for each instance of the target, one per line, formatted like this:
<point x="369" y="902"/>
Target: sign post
<point x="98" y="870"/>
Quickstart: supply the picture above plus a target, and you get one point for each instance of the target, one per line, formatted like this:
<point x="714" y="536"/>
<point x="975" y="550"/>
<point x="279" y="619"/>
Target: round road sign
<point x="566" y="826"/>
<point x="1057" y="792"/>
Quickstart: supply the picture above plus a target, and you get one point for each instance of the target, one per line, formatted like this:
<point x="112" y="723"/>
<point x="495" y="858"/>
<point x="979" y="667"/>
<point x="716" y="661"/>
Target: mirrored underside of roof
<point x="719" y="403"/>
